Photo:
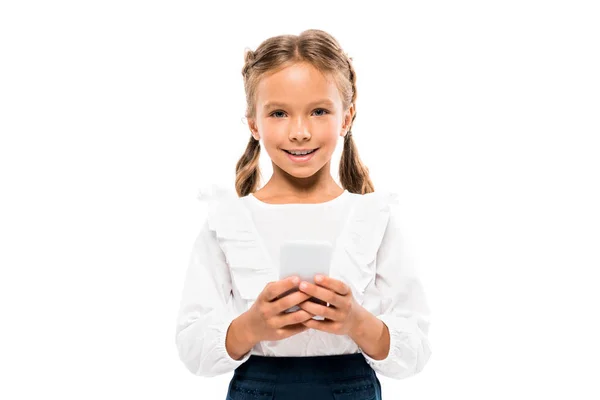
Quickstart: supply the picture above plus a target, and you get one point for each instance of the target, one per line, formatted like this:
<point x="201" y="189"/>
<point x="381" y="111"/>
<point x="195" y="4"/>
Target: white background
<point x="484" y="116"/>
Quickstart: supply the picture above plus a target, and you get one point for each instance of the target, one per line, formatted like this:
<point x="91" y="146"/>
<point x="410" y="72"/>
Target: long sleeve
<point x="404" y="307"/>
<point x="206" y="310"/>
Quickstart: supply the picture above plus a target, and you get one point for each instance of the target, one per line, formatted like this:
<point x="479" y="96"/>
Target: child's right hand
<point x="267" y="318"/>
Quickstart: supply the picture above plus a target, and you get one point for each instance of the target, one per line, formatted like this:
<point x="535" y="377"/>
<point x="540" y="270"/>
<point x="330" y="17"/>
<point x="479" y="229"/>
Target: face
<point x="299" y="108"/>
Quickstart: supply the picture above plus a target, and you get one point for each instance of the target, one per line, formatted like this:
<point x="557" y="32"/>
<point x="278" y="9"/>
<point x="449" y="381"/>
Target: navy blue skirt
<point x="337" y="377"/>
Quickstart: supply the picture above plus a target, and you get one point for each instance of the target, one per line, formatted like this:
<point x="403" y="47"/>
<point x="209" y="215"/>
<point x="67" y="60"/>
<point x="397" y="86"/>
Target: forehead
<point x="297" y="84"/>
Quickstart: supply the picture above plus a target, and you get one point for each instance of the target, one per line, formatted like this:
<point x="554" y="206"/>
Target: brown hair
<point x="323" y="52"/>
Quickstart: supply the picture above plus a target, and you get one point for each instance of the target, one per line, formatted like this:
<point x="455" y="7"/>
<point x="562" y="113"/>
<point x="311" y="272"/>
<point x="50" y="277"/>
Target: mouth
<point x="301" y="152"/>
<point x="303" y="157"/>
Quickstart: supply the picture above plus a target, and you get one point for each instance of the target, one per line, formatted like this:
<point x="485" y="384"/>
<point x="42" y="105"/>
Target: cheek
<point x="272" y="130"/>
<point x="326" y="126"/>
<point x="327" y="133"/>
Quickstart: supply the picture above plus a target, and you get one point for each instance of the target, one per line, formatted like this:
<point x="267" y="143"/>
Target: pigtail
<point x="247" y="169"/>
<point x="354" y="175"/>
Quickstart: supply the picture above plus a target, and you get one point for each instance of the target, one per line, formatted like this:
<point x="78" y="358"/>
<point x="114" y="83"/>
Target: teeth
<point x="301" y="153"/>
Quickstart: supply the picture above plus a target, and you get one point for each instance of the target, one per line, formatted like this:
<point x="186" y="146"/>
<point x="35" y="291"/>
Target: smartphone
<point x="304" y="258"/>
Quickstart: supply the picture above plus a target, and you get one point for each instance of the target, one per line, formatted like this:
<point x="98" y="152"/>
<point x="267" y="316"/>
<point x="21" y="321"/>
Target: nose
<point x="299" y="130"/>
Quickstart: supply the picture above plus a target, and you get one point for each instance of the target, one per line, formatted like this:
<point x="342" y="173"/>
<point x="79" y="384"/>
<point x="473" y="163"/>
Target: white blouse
<point x="236" y="254"/>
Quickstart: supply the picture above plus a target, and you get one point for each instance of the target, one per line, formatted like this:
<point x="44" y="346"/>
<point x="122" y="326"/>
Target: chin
<point x="301" y="174"/>
<point x="297" y="171"/>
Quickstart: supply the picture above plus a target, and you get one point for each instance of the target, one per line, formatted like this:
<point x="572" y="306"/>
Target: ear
<point x="253" y="128"/>
<point x="347" y="120"/>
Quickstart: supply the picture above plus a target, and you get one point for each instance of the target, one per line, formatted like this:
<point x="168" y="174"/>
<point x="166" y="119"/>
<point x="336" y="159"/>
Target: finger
<point x="291" y="330"/>
<point x="315" y="300"/>
<point x="321" y="293"/>
<point x="331" y="283"/>
<point x="274" y="289"/>
<point x="289" y="301"/>
<point x="325" y="326"/>
<point x="333" y="314"/>
<point x="296" y="317"/>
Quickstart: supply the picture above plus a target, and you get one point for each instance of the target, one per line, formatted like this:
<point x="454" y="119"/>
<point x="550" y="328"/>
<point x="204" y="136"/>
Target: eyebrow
<point x="279" y="104"/>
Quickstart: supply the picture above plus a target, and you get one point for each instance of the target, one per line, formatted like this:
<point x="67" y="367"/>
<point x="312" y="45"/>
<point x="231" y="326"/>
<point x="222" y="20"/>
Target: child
<point x="301" y="94"/>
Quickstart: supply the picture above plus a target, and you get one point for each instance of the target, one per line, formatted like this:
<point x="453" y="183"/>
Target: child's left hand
<point x="344" y="314"/>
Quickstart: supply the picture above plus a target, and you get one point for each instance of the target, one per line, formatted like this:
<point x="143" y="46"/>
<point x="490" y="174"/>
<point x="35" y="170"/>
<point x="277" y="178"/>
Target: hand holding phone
<point x="305" y="259"/>
<point x="266" y="320"/>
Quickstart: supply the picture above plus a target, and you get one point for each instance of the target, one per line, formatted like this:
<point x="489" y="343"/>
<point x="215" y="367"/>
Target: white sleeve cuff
<point x="409" y="351"/>
<point x="229" y="363"/>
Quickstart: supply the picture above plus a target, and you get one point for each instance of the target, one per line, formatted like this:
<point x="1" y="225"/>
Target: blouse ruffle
<point x="353" y="260"/>
<point x="249" y="263"/>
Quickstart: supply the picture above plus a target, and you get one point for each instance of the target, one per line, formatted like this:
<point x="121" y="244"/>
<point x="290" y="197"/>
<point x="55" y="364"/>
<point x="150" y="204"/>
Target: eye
<point x="322" y="109"/>
<point x="275" y="112"/>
